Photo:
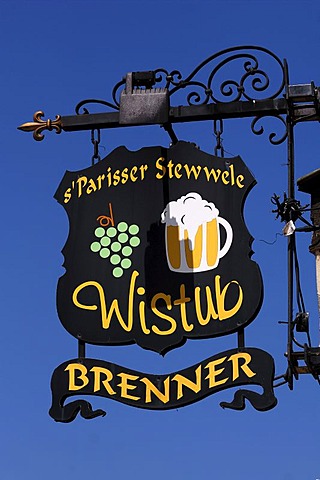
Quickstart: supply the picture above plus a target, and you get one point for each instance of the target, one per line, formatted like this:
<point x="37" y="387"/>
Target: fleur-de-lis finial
<point x="38" y="125"/>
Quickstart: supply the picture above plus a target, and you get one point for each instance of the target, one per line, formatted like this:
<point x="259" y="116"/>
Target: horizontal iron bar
<point x="182" y="114"/>
<point x="193" y="113"/>
<point x="88" y="121"/>
<point x="238" y="109"/>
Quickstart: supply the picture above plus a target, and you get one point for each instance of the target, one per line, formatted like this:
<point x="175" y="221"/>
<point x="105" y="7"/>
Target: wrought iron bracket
<point x="246" y="95"/>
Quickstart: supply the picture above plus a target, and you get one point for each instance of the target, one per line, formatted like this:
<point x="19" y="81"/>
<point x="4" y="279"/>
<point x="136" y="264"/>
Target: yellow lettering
<point x="100" y="179"/>
<point x="222" y="312"/>
<point x="244" y="367"/>
<point x="240" y="179"/>
<point x="98" y="371"/>
<point x="185" y="382"/>
<point x="213" y="373"/>
<point x="133" y="171"/>
<point x="213" y="172"/>
<point x="67" y="195"/>
<point x="114" y="308"/>
<point x="143" y="169"/>
<point x="116" y="178"/>
<point x="109" y="176"/>
<point x="183" y="311"/>
<point x="91" y="187"/>
<point x="167" y="299"/>
<point x="124" y="176"/>
<point x="142" y="312"/>
<point x="160" y="167"/>
<point x="151" y="388"/>
<point x="170" y="167"/>
<point x="125" y="386"/>
<point x="225" y="176"/>
<point x="211" y="313"/>
<point x="71" y="368"/>
<point x="193" y="169"/>
<point x="81" y="182"/>
<point x="231" y="169"/>
<point x="177" y="169"/>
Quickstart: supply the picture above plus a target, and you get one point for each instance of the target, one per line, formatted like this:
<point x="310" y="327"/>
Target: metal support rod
<point x="81" y="349"/>
<point x="317" y="256"/>
<point x="291" y="246"/>
<point x="241" y="342"/>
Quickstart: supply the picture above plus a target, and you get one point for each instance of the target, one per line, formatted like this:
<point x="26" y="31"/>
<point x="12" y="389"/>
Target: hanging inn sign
<point x="158" y="253"/>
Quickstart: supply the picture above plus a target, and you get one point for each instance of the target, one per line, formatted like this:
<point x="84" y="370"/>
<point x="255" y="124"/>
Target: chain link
<point x="218" y="131"/>
<point x="95" y="139"/>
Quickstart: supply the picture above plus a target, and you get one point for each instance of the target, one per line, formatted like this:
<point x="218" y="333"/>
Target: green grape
<point x="115" y="259"/>
<point x="104" y="252"/>
<point x="126" y="263"/>
<point x="111" y="232"/>
<point x="99" y="232"/>
<point x="95" y="246"/>
<point x="105" y="241"/>
<point x="126" y="251"/>
<point x="122" y="227"/>
<point x="133" y="229"/>
<point x="116" y="247"/>
<point x="123" y="237"/>
<point x="117" y="272"/>
<point x="134" y="241"/>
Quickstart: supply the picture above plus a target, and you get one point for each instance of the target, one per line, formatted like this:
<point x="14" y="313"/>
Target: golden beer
<point x="198" y="254"/>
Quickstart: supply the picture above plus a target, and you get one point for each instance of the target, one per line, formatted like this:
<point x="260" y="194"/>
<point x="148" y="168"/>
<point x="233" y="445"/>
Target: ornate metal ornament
<point x="253" y="82"/>
<point x="38" y="125"/>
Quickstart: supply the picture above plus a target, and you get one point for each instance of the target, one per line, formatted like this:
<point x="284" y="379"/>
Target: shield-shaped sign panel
<point x="158" y="250"/>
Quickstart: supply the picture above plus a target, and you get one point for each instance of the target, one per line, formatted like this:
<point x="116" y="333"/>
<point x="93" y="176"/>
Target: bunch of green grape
<point x="117" y="244"/>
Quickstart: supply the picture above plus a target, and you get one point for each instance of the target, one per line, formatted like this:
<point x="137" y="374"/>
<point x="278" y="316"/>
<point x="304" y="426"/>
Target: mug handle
<point x="229" y="238"/>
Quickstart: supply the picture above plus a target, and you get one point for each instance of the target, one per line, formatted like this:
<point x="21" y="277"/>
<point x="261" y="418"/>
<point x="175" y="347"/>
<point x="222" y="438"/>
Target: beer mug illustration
<point x="192" y="234"/>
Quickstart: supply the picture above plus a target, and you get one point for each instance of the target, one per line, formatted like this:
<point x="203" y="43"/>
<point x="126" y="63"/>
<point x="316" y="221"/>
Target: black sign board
<point x="158" y="250"/>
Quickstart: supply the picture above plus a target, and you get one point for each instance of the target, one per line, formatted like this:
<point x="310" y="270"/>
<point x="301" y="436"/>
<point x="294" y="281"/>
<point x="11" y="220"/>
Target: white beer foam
<point x="189" y="212"/>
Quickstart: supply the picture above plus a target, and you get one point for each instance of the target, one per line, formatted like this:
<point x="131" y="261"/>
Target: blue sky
<point x="54" y="55"/>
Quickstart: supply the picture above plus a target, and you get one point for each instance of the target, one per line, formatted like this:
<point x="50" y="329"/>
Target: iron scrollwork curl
<point x="273" y="136"/>
<point x="115" y="105"/>
<point x="169" y="76"/>
<point x="252" y="82"/>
